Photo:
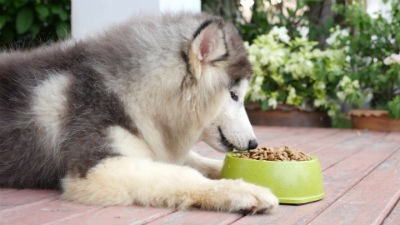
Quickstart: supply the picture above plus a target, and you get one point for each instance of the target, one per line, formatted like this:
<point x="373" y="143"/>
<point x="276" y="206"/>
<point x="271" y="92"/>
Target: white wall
<point x="91" y="16"/>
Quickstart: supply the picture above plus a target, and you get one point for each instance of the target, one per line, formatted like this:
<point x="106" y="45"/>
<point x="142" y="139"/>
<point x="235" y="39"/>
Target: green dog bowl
<point x="293" y="182"/>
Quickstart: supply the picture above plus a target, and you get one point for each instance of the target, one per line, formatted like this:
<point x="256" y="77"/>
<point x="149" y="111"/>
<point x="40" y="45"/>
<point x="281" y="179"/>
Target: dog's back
<point x="41" y="92"/>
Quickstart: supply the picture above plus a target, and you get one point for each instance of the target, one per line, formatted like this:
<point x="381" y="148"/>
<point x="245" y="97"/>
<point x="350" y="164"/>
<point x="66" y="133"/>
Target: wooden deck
<point x="361" y="172"/>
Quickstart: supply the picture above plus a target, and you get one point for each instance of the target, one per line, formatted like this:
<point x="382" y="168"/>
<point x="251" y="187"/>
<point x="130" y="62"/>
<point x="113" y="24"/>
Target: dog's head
<point x="217" y="62"/>
<point x="219" y="45"/>
<point x="232" y="128"/>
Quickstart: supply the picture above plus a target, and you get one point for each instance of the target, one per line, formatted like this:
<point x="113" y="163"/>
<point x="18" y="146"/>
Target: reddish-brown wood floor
<point x="361" y="172"/>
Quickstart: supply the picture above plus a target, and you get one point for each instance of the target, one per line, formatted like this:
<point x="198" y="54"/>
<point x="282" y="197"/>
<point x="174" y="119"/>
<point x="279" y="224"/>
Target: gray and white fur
<point x="110" y="120"/>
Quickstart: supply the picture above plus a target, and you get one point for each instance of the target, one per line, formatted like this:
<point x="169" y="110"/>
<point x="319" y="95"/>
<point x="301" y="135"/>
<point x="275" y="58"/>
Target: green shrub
<point x="394" y="107"/>
<point x="27" y="23"/>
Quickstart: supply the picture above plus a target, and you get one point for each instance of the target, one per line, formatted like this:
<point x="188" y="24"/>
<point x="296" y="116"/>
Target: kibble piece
<point x="274" y="154"/>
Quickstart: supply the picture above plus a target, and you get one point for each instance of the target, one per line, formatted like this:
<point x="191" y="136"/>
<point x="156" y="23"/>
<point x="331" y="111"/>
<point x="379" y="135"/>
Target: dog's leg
<point x="124" y="181"/>
<point x="210" y="168"/>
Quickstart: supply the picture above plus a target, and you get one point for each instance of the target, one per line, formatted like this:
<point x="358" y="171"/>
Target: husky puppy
<point x="110" y="120"/>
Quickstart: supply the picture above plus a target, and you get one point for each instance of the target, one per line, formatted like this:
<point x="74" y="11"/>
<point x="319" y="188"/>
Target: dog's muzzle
<point x="252" y="144"/>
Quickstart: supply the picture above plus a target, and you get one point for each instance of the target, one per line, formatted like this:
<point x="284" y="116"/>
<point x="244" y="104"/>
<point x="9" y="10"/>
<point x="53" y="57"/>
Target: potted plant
<point x="373" y="69"/>
<point x="292" y="78"/>
<point x="382" y="120"/>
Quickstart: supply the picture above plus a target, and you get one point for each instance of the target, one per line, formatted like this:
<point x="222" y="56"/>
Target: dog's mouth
<point x="229" y="146"/>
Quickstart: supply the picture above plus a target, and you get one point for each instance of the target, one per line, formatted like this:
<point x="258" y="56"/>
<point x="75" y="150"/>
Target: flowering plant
<point x="292" y="71"/>
<point x="372" y="48"/>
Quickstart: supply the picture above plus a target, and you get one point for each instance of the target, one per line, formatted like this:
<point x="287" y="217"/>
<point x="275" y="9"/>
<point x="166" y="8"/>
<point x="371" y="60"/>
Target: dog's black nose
<point x="253" y="144"/>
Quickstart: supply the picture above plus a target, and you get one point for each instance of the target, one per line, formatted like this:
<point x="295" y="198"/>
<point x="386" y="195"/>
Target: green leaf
<point x="2" y="21"/>
<point x="394" y="108"/>
<point x="42" y="11"/>
<point x="61" y="12"/>
<point x="62" y="30"/>
<point x="34" y="30"/>
<point x="20" y="3"/>
<point x="264" y="105"/>
<point x="24" y="20"/>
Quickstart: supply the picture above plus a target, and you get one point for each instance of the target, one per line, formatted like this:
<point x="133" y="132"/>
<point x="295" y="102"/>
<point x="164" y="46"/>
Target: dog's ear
<point x="208" y="43"/>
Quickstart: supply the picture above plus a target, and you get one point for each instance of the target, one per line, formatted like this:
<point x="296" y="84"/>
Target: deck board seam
<point x="391" y="204"/>
<point x="353" y="153"/>
<point x="73" y="216"/>
<point x="153" y="218"/>
<point x="25" y="205"/>
<point x="388" y="209"/>
<point x="338" y="141"/>
<point x="344" y="192"/>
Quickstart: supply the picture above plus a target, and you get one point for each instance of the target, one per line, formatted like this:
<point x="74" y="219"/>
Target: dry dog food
<point x="274" y="154"/>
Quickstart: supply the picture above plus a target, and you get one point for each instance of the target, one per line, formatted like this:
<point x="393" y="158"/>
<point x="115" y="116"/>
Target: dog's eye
<point x="234" y="96"/>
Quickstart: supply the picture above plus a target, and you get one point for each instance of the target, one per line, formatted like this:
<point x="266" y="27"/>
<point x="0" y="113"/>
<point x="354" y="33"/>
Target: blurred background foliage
<point x="319" y="16"/>
<point x="28" y="23"/>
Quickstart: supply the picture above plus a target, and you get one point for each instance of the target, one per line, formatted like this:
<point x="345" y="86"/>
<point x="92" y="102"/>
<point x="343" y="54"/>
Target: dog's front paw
<point x="213" y="170"/>
<point x="239" y="196"/>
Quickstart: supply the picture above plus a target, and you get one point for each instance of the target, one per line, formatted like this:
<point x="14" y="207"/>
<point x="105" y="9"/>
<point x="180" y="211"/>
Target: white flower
<point x="341" y="96"/>
<point x="272" y="102"/>
<point x="259" y="80"/>
<point x="319" y="102"/>
<point x="369" y="97"/>
<point x="282" y="34"/>
<point x="291" y="98"/>
<point x="392" y="40"/>
<point x="303" y="31"/>
<point x="334" y="38"/>
<point x="355" y="84"/>
<point x="367" y="60"/>
<point x="374" y="38"/>
<point x="321" y="85"/>
<point x="392" y="59"/>
<point x="274" y="2"/>
<point x="345" y="81"/>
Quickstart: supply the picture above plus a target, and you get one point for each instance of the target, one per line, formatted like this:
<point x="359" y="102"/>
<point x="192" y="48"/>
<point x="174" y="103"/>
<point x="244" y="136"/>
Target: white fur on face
<point x="49" y="107"/>
<point x="232" y="122"/>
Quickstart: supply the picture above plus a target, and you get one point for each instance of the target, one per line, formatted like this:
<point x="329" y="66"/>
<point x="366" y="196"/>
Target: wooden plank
<point x="333" y="154"/>
<point x="338" y="179"/>
<point x="42" y="212"/>
<point x="394" y="216"/>
<point x="394" y="136"/>
<point x="299" y="136"/>
<point x="334" y="140"/>
<point x="6" y="190"/>
<point x="15" y="198"/>
<point x="368" y="202"/>
<point x="117" y="215"/>
<point x="263" y="132"/>
<point x="197" y="217"/>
